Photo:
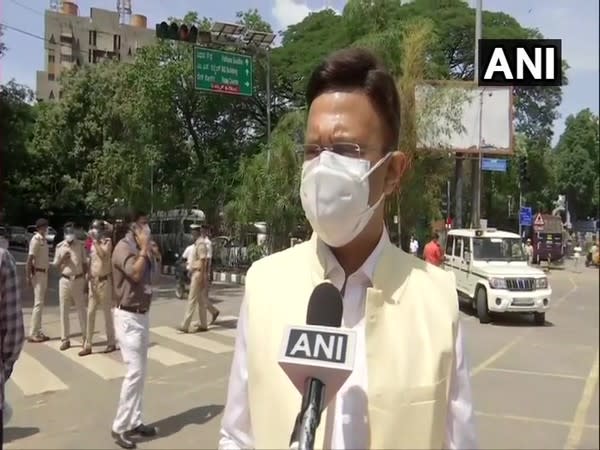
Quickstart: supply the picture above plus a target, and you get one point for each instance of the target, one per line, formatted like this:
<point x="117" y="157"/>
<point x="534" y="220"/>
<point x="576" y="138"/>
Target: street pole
<point x="268" y="106"/>
<point x="152" y="185"/>
<point x="520" y="206"/>
<point x="476" y="164"/>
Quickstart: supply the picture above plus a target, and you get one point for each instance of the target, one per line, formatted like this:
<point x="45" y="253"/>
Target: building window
<point x="92" y="37"/>
<point x="50" y="76"/>
<point x="66" y="58"/>
<point x="66" y="39"/>
<point x="51" y="58"/>
<point x="90" y="55"/>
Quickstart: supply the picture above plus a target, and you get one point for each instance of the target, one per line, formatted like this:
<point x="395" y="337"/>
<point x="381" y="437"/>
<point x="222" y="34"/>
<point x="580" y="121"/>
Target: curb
<point x="225" y="277"/>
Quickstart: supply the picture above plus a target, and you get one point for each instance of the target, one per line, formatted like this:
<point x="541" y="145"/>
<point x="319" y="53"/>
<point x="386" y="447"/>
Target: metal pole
<point x="152" y="186"/>
<point x="480" y="166"/>
<point x="268" y="106"/>
<point x="476" y="165"/>
<point x="520" y="206"/>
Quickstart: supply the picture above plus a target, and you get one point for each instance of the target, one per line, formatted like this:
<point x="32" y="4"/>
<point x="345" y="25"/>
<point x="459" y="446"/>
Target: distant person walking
<point x="12" y="334"/>
<point x="414" y="246"/>
<point x="433" y="253"/>
<point x="529" y="251"/>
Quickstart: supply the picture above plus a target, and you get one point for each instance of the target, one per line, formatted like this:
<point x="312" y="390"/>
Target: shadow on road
<point x="196" y="416"/>
<point x="510" y="319"/>
<point x="16" y="433"/>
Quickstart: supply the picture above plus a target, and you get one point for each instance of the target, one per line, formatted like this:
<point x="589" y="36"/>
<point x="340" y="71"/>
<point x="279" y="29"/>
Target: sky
<point x="573" y="21"/>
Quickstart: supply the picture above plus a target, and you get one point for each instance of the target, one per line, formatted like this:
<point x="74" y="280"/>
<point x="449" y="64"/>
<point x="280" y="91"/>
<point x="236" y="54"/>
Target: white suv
<point x="492" y="274"/>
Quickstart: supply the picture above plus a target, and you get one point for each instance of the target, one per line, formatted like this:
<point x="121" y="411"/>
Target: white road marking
<point x="102" y="365"/>
<point x="166" y="356"/>
<point x="192" y="340"/>
<point x="578" y="425"/>
<point x="221" y="330"/>
<point x="160" y="354"/>
<point x="32" y="378"/>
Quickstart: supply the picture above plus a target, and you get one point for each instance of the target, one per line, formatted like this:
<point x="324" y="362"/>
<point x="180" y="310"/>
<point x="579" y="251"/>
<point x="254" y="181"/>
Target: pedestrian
<point x="38" y="261"/>
<point x="414" y="246"/>
<point x="100" y="286"/>
<point x="410" y="384"/>
<point x="3" y="238"/>
<point x="71" y="261"/>
<point x="12" y="334"/>
<point x="433" y="253"/>
<point x="529" y="251"/>
<point x="132" y="262"/>
<point x="198" y="266"/>
<point x="205" y="232"/>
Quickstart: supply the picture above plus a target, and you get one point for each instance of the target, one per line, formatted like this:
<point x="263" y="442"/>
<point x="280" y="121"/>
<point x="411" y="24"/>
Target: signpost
<point x="494" y="165"/>
<point x="538" y="223"/>
<point x="526" y="216"/>
<point x="223" y="72"/>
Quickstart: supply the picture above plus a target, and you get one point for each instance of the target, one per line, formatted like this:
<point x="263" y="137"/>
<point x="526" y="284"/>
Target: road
<point x="533" y="387"/>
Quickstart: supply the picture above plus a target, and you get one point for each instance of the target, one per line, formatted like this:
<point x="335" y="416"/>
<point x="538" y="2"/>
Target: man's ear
<point x="397" y="167"/>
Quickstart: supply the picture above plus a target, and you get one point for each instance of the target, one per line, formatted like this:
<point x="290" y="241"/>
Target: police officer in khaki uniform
<point x="199" y="278"/>
<point x="37" y="276"/>
<point x="71" y="261"/>
<point x="100" y="286"/>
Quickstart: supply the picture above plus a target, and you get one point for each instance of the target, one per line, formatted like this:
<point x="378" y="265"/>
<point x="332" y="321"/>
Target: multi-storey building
<point x="73" y="40"/>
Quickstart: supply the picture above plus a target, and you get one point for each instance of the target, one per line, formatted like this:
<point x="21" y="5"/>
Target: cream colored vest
<point x="411" y="319"/>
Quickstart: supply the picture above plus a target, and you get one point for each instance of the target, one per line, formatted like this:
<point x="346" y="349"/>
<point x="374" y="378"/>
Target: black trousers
<point x="1" y="428"/>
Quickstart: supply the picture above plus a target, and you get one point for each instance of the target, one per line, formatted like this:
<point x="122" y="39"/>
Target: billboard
<point x="448" y="118"/>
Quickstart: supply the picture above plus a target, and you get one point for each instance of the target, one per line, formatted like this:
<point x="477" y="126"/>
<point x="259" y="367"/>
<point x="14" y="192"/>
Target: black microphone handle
<point x="312" y="414"/>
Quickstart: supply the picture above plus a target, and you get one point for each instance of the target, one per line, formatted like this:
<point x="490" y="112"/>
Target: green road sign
<point x="223" y="72"/>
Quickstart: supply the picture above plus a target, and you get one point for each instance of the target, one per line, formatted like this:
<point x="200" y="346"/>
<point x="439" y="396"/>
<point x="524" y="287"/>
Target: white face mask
<point x="69" y="237"/>
<point x="335" y="196"/>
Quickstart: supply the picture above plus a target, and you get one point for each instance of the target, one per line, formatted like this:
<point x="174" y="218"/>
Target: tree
<point x="16" y="120"/>
<point x="2" y="45"/>
<point x="576" y="163"/>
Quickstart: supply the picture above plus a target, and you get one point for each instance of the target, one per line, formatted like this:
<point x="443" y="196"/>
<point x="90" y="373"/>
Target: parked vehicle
<point x="492" y="274"/>
<point x="171" y="231"/>
<point x="549" y="244"/>
<point x="17" y="236"/>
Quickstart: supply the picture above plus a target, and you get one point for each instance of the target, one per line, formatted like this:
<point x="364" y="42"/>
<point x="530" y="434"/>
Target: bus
<point x="171" y="230"/>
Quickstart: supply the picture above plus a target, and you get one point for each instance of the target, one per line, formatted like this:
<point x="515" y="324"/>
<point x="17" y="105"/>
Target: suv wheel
<point x="482" y="307"/>
<point x="539" y="318"/>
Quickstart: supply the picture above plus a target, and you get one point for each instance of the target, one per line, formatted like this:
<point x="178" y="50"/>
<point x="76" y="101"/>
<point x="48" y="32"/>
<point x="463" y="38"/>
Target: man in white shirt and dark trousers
<point x="410" y="385"/>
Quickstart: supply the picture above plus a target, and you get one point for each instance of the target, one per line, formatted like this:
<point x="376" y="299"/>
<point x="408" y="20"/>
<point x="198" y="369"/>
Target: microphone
<point x="318" y="358"/>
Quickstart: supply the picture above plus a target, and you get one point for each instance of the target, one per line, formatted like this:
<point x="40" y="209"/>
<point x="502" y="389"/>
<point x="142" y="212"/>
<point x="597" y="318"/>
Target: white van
<point x="492" y="274"/>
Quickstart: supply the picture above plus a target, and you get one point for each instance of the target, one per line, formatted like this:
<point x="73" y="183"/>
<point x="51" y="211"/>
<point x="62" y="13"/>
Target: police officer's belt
<point x="132" y="309"/>
<point x="72" y="277"/>
<point x="37" y="269"/>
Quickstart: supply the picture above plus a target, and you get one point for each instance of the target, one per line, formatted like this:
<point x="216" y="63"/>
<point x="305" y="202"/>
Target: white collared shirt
<point x="236" y="430"/>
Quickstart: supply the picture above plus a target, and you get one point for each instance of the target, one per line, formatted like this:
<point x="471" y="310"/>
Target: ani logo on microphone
<point x="317" y="345"/>
<point x="520" y="62"/>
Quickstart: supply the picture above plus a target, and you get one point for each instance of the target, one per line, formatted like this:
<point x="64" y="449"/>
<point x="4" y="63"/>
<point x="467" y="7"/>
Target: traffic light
<point x="444" y="202"/>
<point x="523" y="170"/>
<point x="177" y="32"/>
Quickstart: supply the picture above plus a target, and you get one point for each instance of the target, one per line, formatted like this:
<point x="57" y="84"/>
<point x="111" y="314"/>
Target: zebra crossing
<point x="168" y="348"/>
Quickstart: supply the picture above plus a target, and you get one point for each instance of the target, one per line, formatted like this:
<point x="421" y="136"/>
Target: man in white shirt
<point x="410" y="386"/>
<point x="414" y="246"/>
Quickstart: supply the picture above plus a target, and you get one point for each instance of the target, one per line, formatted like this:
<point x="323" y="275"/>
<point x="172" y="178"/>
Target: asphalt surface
<point x="533" y="387"/>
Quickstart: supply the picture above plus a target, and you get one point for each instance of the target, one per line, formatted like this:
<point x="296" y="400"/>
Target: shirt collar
<point x="367" y="269"/>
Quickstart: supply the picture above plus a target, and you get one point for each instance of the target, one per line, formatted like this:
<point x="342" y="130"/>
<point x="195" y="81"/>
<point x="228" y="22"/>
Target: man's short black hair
<point x="41" y="223"/>
<point x="358" y="69"/>
<point x="134" y="215"/>
<point x="436" y="235"/>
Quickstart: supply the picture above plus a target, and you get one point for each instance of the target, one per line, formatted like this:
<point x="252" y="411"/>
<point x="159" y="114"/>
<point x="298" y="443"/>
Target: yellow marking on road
<point x="578" y="425"/>
<point x="497" y="355"/>
<point x="538" y="374"/>
<point x="532" y="419"/>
